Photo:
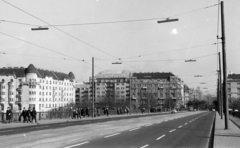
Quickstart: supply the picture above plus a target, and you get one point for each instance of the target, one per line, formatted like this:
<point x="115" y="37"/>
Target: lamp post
<point x="93" y="87"/>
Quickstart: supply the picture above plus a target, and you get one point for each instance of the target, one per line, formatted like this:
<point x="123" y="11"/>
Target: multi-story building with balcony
<point x="32" y="87"/>
<point x="157" y="88"/>
<point x="111" y="86"/>
<point x="233" y="86"/>
<point x="82" y="94"/>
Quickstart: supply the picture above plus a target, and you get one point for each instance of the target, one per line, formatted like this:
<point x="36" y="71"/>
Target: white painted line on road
<point x="144" y="146"/>
<point x="5" y="131"/>
<point x="180" y="126"/>
<point x="185" y="123"/>
<point x="40" y="126"/>
<point x="77" y="144"/>
<point x="148" y="125"/>
<point x="134" y="129"/>
<point x="160" y="137"/>
<point x="111" y="135"/>
<point x="172" y="130"/>
<point x="190" y="121"/>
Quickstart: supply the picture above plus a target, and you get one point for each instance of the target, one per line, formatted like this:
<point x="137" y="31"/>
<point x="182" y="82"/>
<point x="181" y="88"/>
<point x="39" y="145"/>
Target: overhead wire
<point x="48" y="49"/>
<point x="67" y="33"/>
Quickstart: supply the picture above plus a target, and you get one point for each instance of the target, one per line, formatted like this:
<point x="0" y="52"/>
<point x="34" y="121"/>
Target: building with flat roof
<point x="32" y="87"/>
<point x="233" y="86"/>
<point x="157" y="90"/>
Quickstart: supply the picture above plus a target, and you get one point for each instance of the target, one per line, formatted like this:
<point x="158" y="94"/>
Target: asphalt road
<point x="190" y="131"/>
<point x="27" y="129"/>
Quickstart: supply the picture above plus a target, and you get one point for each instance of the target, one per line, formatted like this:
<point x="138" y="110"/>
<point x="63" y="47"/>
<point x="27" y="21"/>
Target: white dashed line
<point x="190" y="121"/>
<point x="185" y="123"/>
<point x="77" y="144"/>
<point x="144" y="146"/>
<point x="172" y="130"/>
<point x="134" y="129"/>
<point x="160" y="137"/>
<point x="5" y="131"/>
<point x="180" y="126"/>
<point x="62" y="124"/>
<point x="111" y="135"/>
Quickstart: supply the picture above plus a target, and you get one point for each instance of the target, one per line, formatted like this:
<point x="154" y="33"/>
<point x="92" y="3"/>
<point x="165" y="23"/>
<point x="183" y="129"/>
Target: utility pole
<point x="220" y="86"/>
<point x="169" y="93"/>
<point x="224" y="67"/>
<point x="130" y="91"/>
<point x="93" y="87"/>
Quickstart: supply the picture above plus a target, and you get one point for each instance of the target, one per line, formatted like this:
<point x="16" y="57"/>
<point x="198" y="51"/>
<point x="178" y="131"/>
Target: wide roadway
<point x="190" y="131"/>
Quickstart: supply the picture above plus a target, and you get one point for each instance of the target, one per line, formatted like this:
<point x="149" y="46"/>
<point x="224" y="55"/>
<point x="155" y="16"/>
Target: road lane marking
<point x="5" y="131"/>
<point x="63" y="124"/>
<point x="76" y="144"/>
<point x="144" y="146"/>
<point x="190" y="121"/>
<point x="180" y="126"/>
<point x="185" y="123"/>
<point x="134" y="129"/>
<point x="172" y="130"/>
<point x="111" y="135"/>
<point x="148" y="125"/>
<point x="40" y="126"/>
<point x="160" y="137"/>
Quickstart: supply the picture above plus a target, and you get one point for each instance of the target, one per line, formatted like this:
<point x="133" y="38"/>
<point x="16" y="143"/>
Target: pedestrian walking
<point x="87" y="111"/>
<point x="79" y="113"/>
<point x="107" y="111"/>
<point x="29" y="115"/>
<point x="24" y="114"/>
<point x="8" y="115"/>
<point x="74" y="114"/>
<point x="19" y="116"/>
<point x="98" y="111"/>
<point x="34" y="114"/>
<point x="82" y="112"/>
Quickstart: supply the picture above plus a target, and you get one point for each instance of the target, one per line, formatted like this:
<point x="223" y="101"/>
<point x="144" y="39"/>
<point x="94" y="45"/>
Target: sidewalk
<point x="52" y="121"/>
<point x="227" y="138"/>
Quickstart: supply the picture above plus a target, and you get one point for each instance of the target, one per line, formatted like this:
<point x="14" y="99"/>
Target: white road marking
<point x="180" y="126"/>
<point x="144" y="146"/>
<point x="134" y="129"/>
<point x="160" y="137"/>
<point x="190" y="121"/>
<point x="62" y="124"/>
<point x="111" y="135"/>
<point x="172" y="130"/>
<point x="185" y="123"/>
<point x="148" y="125"/>
<point x="77" y="144"/>
<point x="40" y="126"/>
<point x="5" y="131"/>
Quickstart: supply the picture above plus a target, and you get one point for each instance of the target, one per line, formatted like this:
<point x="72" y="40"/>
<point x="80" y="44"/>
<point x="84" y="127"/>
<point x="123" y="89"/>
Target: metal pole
<point x="220" y="86"/>
<point x="169" y="94"/>
<point x="224" y="67"/>
<point x="93" y="87"/>
<point x="148" y="100"/>
<point x="130" y="91"/>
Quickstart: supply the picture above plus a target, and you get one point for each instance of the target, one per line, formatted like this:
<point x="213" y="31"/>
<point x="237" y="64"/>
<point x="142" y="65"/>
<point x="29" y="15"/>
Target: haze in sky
<point x="130" y="35"/>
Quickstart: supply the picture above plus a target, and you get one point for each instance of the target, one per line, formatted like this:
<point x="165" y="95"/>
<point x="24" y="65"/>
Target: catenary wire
<point x="82" y="60"/>
<point x="68" y="34"/>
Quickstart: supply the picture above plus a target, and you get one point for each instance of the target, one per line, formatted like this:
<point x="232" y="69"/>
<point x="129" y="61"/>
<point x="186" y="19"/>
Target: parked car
<point x="174" y="111"/>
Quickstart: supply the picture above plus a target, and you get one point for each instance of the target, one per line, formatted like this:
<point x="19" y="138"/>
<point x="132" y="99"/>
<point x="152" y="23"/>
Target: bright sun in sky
<point x="174" y="31"/>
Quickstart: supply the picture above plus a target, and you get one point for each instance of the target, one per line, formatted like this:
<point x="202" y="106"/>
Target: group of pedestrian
<point x="28" y="115"/>
<point x="78" y="113"/>
<point x="121" y="110"/>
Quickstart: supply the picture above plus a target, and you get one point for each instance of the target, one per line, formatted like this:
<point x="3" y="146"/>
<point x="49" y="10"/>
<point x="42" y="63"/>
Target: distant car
<point x="174" y="111"/>
<point x="213" y="110"/>
<point x="236" y="110"/>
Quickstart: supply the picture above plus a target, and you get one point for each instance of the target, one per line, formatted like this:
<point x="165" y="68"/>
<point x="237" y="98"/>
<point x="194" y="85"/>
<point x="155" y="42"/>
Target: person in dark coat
<point x="29" y="115"/>
<point x="79" y="113"/>
<point x="82" y="112"/>
<point x="8" y="115"/>
<point x="87" y="111"/>
<point x="107" y="111"/>
<point x="24" y="114"/>
<point x="74" y="114"/>
<point x="34" y="114"/>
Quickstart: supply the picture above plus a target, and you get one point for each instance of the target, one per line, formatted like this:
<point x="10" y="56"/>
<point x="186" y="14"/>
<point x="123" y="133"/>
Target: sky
<point x="121" y="31"/>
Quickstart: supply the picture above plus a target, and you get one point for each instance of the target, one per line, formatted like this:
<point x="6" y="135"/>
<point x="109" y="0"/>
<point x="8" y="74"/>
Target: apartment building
<point x="32" y="87"/>
<point x="233" y="86"/>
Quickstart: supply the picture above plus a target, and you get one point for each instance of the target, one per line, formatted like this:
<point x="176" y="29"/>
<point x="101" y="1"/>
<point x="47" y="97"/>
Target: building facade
<point x="233" y="86"/>
<point x="159" y="90"/>
<point x="82" y="95"/>
<point x="32" y="87"/>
